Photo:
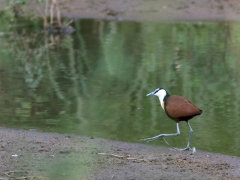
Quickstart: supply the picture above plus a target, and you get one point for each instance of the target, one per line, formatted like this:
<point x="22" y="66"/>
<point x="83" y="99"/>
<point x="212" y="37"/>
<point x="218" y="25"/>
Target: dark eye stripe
<point x="157" y="90"/>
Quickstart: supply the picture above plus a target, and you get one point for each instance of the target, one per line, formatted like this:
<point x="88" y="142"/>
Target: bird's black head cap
<point x="158" y="89"/>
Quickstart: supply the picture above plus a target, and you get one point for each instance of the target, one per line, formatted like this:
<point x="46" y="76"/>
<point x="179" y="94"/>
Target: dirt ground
<point x="146" y="10"/>
<point x="31" y="154"/>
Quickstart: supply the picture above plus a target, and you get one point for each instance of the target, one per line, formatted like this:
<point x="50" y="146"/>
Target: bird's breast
<point x="162" y="104"/>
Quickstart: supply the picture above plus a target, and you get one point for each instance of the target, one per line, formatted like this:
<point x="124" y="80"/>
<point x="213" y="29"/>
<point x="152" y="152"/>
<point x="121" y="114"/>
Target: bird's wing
<point x="178" y="106"/>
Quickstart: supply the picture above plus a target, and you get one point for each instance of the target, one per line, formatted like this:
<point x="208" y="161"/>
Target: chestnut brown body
<point x="179" y="108"/>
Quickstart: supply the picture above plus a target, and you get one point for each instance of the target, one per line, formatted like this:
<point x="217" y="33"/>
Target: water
<point x="94" y="82"/>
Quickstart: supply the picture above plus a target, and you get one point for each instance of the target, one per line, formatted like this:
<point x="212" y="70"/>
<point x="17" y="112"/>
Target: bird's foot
<point x="151" y="138"/>
<point x="182" y="149"/>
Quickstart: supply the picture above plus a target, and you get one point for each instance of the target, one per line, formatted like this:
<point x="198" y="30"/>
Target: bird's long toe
<point x="149" y="139"/>
<point x="182" y="149"/>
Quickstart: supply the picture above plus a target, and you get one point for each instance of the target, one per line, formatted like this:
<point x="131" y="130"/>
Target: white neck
<point x="161" y="95"/>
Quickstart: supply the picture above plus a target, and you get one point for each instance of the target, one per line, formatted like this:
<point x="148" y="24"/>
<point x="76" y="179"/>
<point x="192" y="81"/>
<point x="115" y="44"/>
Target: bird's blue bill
<point x="151" y="93"/>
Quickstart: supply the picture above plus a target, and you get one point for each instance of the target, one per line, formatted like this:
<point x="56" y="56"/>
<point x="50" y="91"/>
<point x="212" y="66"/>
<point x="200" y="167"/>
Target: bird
<point x="178" y="108"/>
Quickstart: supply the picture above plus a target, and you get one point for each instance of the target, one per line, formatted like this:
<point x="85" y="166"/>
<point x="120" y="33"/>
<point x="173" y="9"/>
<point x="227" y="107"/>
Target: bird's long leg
<point x="189" y="136"/>
<point x="189" y="139"/>
<point x="162" y="135"/>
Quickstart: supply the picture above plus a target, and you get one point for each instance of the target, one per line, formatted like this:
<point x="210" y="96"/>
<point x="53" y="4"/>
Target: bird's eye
<point x="156" y="90"/>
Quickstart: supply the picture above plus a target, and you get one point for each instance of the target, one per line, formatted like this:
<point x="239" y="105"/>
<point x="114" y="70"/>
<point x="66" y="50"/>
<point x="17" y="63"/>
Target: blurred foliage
<point x="95" y="81"/>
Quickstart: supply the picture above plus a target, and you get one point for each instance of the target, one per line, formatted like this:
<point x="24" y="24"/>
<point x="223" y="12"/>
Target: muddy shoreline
<point x="42" y="155"/>
<point x="141" y="10"/>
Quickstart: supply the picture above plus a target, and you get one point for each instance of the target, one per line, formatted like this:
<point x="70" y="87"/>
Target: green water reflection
<point x="95" y="81"/>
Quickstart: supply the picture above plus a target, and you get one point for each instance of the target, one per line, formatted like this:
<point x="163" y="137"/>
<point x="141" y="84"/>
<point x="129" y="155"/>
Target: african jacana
<point x="177" y="108"/>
